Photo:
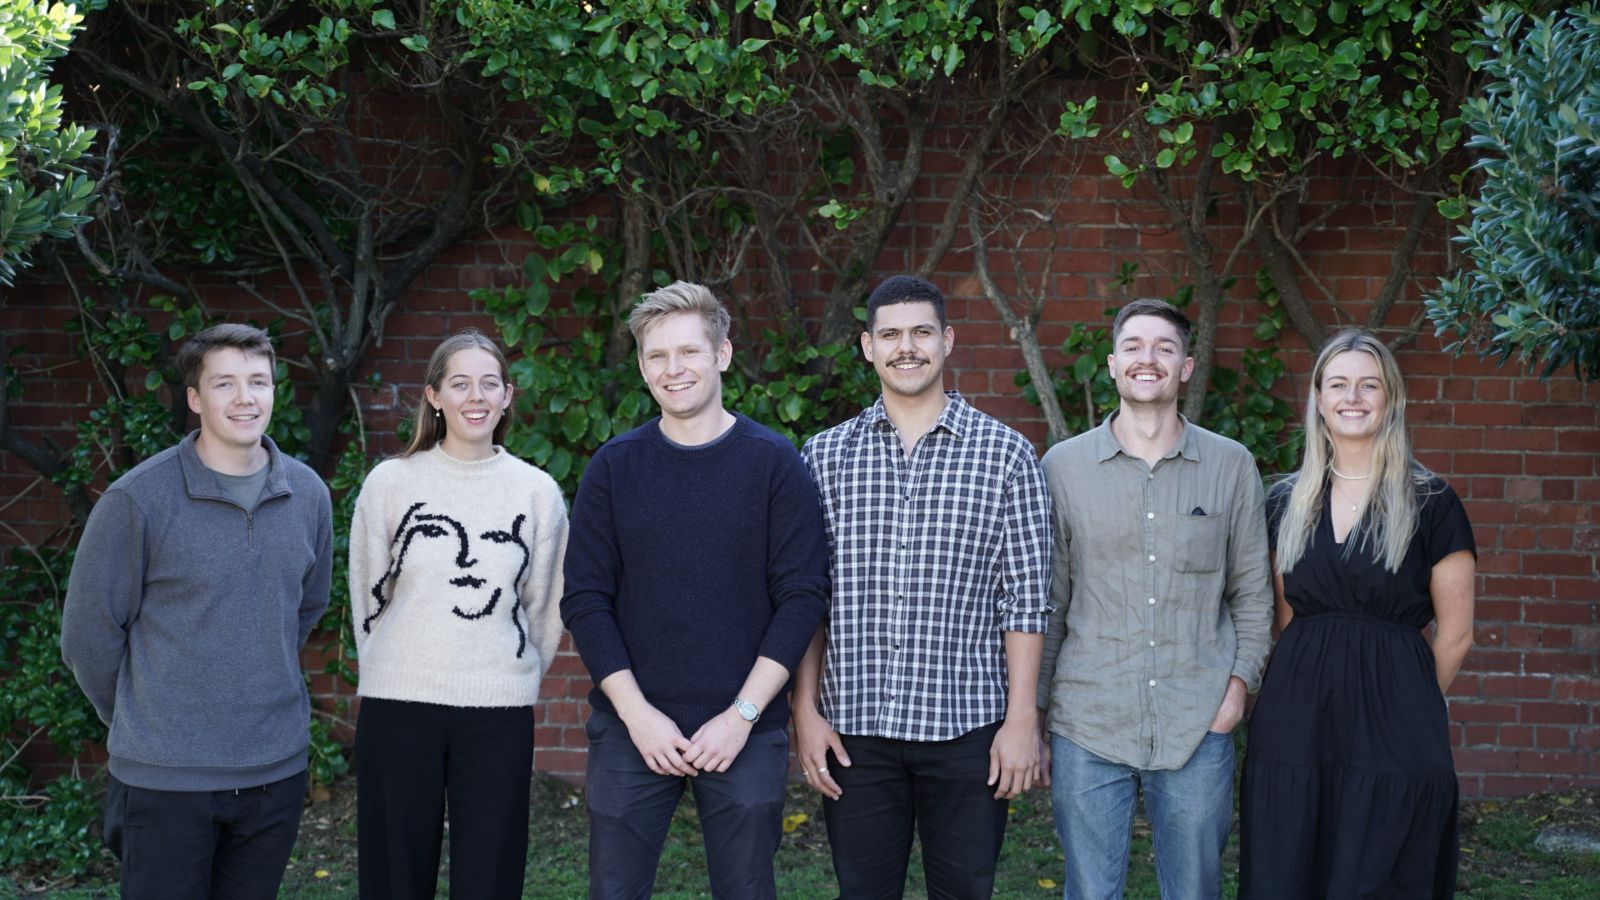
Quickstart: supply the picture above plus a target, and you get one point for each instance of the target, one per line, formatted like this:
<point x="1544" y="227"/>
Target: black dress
<point x="1348" y="788"/>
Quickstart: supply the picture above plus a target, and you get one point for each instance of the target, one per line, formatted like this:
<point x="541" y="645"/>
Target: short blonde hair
<point x="680" y="297"/>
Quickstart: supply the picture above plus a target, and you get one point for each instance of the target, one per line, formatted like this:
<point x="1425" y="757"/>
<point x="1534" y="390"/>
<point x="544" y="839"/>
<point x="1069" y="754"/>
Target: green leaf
<point x="383" y="18"/>
<point x="574" y="423"/>
<point x="152" y="380"/>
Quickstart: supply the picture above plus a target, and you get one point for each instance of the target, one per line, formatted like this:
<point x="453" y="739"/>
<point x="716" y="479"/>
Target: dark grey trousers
<point x="630" y="807"/>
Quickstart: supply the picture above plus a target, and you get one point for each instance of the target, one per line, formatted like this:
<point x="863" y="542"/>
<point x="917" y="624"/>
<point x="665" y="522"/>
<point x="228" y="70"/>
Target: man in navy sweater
<point x="696" y="573"/>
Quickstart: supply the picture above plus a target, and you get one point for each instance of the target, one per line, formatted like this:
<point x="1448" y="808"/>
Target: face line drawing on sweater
<point x="416" y="524"/>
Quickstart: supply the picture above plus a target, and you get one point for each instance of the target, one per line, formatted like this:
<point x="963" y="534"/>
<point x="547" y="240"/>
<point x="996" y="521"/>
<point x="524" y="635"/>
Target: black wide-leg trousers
<point x="415" y="759"/>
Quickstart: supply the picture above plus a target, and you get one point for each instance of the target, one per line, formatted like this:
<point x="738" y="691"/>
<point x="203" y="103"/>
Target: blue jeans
<point x="1190" y="811"/>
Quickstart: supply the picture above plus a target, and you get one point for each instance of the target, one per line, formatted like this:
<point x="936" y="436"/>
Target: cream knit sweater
<point x="455" y="579"/>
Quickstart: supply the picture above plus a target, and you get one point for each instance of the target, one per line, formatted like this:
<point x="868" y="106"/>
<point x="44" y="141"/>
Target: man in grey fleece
<point x="200" y="574"/>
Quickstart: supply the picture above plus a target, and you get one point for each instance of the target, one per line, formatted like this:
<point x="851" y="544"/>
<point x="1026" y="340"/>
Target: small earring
<point x="438" y="413"/>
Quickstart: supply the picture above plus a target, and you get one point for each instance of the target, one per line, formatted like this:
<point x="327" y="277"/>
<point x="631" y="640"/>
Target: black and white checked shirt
<point x="933" y="556"/>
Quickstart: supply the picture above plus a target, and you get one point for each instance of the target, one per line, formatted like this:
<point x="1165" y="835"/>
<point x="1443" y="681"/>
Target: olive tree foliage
<point x="1223" y="113"/>
<point x="43" y="190"/>
<point x="1533" y="242"/>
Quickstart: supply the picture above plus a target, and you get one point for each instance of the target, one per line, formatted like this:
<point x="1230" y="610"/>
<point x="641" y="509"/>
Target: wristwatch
<point x="747" y="710"/>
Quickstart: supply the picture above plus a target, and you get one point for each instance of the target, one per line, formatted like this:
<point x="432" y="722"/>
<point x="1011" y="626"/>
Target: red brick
<point x="1554" y="713"/>
<point x="1574" y="564"/>
<point x="1467" y="711"/>
<point x="1512" y="785"/>
<point x="1492" y="512"/>
<point x="1481" y="736"/>
<point x="1558" y="539"/>
<point x="1555" y="638"/>
<point x="1558" y="663"/>
<point x="1485" y="488"/>
<point x="1580" y="441"/>
<point x="1520" y="537"/>
<point x="1586" y="540"/>
<point x="1547" y="738"/>
<point x="1516" y="686"/>
<point x="1559" y="613"/>
<point x="1524" y="489"/>
<point x="1572" y="466"/>
<point x="1515" y="736"/>
<point x="1587" y="739"/>
<point x="1575" y="590"/>
<point x="561" y="762"/>
<point x="1557" y="489"/>
<point x="1490" y="463"/>
<point x="1485" y="760"/>
<point x="1492" y="562"/>
<point x="1489" y="414"/>
<point x="1525" y="439"/>
<point x="1553" y="762"/>
<point x="1555" y="513"/>
<point x="1448" y="437"/>
<point x="1502" y="586"/>
<point x="1558" y="416"/>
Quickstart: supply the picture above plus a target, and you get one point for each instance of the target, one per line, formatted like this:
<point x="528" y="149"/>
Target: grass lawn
<point x="1499" y="859"/>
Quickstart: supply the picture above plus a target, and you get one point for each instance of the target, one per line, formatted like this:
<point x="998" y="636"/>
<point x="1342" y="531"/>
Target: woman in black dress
<point x="1349" y="789"/>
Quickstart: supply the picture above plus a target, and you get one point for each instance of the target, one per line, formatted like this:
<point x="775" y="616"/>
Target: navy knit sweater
<point x="686" y="563"/>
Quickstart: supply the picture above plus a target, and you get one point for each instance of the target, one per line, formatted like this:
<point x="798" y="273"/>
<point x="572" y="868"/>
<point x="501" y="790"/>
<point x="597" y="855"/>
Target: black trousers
<point x="414" y="758"/>
<point x="203" y="845"/>
<point x="934" y="789"/>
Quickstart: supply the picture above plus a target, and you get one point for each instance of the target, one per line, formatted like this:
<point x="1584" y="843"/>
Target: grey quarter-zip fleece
<point x="185" y="616"/>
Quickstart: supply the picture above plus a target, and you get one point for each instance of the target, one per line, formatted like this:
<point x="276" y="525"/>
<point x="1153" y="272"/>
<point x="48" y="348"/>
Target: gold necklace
<point x="1354" y="505"/>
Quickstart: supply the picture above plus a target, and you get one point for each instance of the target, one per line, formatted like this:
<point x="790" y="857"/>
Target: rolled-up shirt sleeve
<point x="1025" y="541"/>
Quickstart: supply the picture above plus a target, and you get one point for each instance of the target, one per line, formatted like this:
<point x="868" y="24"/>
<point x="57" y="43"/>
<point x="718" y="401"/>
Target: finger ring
<point x="805" y="771"/>
<point x="822" y="768"/>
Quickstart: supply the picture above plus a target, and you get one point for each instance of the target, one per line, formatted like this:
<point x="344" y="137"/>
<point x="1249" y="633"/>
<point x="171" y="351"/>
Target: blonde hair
<point x="1388" y="516"/>
<point x="428" y="428"/>
<point x="680" y="297"/>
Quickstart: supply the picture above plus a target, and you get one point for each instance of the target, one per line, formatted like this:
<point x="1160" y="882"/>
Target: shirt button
<point x="1149" y="515"/>
<point x="1152" y="643"/>
<point x="1152" y="557"/>
<point x="1152" y="682"/>
<point x="1152" y="601"/>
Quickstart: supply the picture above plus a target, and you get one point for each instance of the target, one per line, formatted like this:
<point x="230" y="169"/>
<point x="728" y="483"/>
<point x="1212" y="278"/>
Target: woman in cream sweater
<point x="455" y="584"/>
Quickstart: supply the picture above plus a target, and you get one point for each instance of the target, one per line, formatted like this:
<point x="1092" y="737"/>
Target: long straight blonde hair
<point x="1388" y="516"/>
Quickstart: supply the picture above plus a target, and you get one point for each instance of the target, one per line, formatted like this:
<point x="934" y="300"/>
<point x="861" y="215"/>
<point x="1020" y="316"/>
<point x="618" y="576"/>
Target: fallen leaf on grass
<point x="790" y="823"/>
<point x="1047" y="883"/>
<point x="321" y="873"/>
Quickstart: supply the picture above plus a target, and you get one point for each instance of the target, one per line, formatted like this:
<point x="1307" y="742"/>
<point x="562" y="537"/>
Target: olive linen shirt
<point x="1162" y="590"/>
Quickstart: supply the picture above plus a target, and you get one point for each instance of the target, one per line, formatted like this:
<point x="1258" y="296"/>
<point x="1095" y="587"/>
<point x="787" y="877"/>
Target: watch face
<point x="747" y="710"/>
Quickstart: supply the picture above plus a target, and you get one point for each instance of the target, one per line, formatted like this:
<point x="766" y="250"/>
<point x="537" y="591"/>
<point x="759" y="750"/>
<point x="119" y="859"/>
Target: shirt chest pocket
<point x="1202" y="542"/>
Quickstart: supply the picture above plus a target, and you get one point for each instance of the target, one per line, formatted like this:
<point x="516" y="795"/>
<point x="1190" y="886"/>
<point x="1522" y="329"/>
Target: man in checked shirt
<point x="938" y="525"/>
<point x="1163" y="608"/>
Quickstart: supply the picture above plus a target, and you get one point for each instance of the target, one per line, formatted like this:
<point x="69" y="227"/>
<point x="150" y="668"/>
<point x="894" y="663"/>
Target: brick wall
<point x="1521" y="452"/>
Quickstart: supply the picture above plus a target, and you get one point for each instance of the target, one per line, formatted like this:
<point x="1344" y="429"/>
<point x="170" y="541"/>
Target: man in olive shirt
<point x="1162" y="625"/>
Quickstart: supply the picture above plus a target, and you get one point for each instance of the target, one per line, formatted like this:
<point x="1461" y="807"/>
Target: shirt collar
<point x="202" y="482"/>
<point x="956" y="417"/>
<point x="1106" y="445"/>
